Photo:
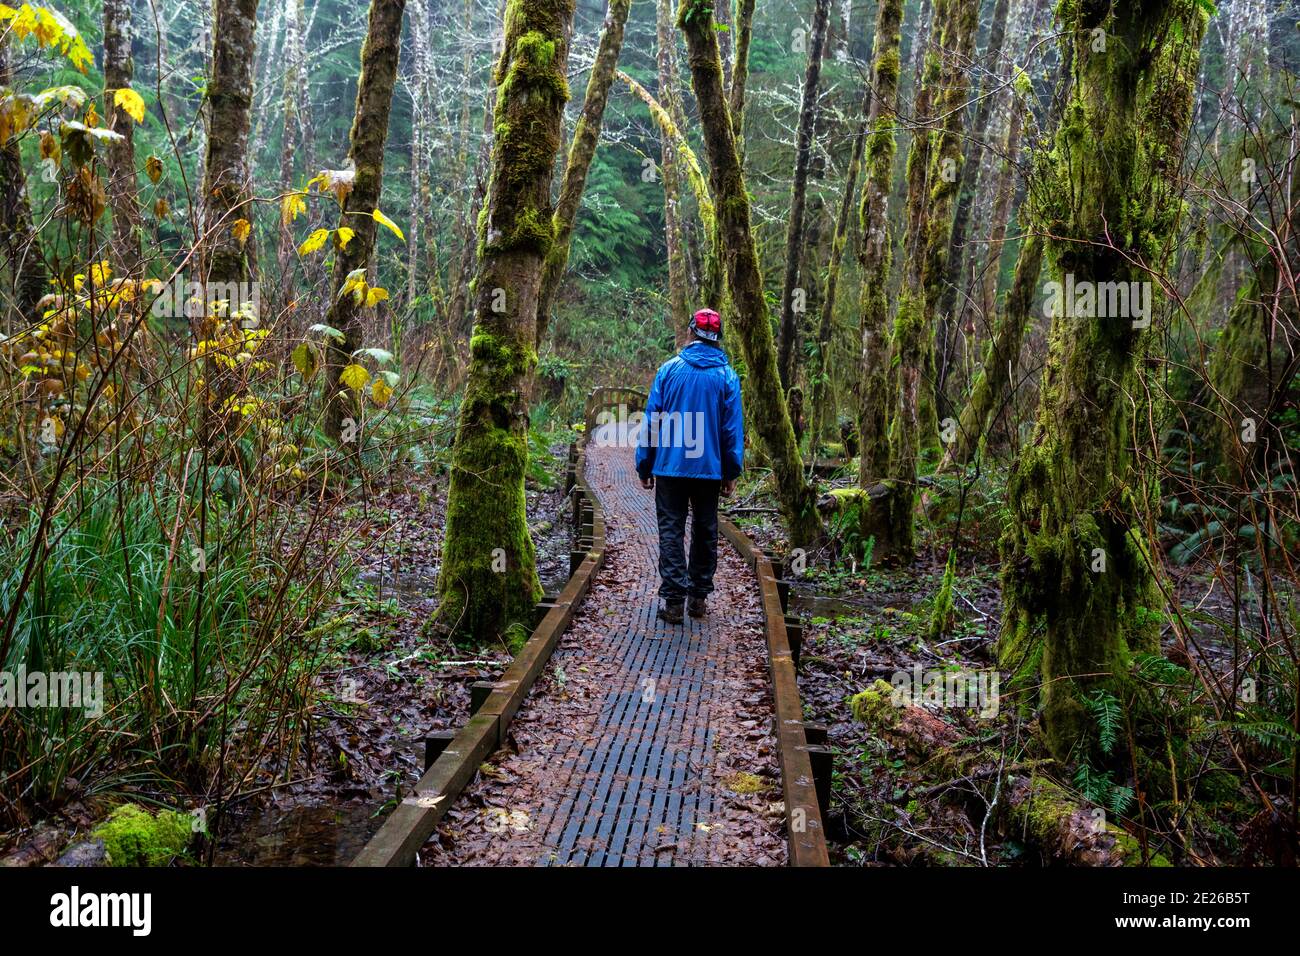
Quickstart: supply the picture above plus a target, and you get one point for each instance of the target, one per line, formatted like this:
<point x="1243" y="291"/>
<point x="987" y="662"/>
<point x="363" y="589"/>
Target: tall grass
<point x="115" y="593"/>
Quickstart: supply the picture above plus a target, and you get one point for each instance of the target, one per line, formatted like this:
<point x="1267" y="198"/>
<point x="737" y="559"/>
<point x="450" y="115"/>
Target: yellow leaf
<point x="383" y="220"/>
<point x="292" y="206"/>
<point x="356" y="284"/>
<point x="50" y="148"/>
<point x="100" y="273"/>
<point x="344" y="236"/>
<point x="376" y="294"/>
<point x="354" y="377"/>
<point x="241" y="229"/>
<point x="313" y="242"/>
<point x="161" y="208"/>
<point x="304" y="360"/>
<point x="131" y="102"/>
<point x="154" y="167"/>
<point x="340" y="181"/>
<point x="381" y="392"/>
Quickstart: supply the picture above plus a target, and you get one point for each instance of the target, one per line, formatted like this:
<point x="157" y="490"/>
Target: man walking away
<point x="690" y="451"/>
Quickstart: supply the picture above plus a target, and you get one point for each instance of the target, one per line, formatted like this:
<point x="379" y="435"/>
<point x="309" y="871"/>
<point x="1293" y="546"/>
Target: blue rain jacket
<point x="694" y="426"/>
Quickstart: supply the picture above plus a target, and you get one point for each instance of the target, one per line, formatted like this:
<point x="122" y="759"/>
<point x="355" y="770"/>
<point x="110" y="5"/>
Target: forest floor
<point x="869" y="623"/>
<point x="390" y="681"/>
<point x="396" y="681"/>
<point x="387" y="683"/>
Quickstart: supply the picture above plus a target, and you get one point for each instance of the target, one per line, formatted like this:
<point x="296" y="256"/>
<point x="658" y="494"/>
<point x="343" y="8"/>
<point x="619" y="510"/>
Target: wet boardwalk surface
<point x="645" y="743"/>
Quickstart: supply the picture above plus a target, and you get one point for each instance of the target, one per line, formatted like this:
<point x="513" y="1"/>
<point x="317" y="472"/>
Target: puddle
<point x="299" y="836"/>
<point x="402" y="585"/>
<point x="810" y="604"/>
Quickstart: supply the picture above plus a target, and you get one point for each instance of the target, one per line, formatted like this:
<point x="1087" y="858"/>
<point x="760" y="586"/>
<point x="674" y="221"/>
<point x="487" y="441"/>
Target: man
<point x="690" y="451"/>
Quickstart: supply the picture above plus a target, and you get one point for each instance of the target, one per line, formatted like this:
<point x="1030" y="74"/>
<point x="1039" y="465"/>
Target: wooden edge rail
<point x="413" y="820"/>
<point x="805" y="835"/>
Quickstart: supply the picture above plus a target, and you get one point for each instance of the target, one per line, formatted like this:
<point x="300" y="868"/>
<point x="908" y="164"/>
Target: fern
<point x="1106" y="713"/>
<point x="1155" y="669"/>
<point x="1119" y="799"/>
<point x="1098" y="787"/>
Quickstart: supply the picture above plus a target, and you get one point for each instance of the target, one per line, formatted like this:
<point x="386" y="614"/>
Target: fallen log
<point x="1032" y="807"/>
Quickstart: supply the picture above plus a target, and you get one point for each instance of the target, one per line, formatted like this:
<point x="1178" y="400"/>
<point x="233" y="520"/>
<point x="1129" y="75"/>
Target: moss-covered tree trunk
<point x="740" y="69"/>
<point x="767" y="414"/>
<point x="877" y="249"/>
<point x="226" y="185"/>
<point x="1077" y="582"/>
<point x="791" y="295"/>
<point x="933" y="171"/>
<point x="581" y="152"/>
<point x="820" y="372"/>
<point x="379" y="59"/>
<point x="489" y="580"/>
<point x="23" y="254"/>
<point x="674" y="232"/>
<point x="120" y="155"/>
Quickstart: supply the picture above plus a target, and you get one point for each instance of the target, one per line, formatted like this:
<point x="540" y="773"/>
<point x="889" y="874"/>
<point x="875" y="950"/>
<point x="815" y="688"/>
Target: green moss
<point x="874" y="707"/>
<point x="942" y="611"/>
<point x="744" y="783"/>
<point x="134" y="837"/>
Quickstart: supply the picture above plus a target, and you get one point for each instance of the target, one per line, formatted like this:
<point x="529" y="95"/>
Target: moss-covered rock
<point x="134" y="837"/>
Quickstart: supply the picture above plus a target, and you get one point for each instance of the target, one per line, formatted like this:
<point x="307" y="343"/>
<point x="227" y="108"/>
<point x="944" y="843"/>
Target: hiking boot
<point x="696" y="607"/>
<point x="671" y="611"/>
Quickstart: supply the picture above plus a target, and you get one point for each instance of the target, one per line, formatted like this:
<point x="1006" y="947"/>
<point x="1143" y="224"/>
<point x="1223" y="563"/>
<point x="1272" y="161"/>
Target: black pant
<point x="672" y="498"/>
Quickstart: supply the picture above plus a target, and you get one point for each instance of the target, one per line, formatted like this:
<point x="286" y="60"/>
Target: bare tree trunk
<point x="581" y="152"/>
<point x="22" y="245"/>
<point x="420" y="86"/>
<point x="458" y="320"/>
<point x="226" y="188"/>
<point x="379" y="60"/>
<point x="291" y="136"/>
<point x="488" y="583"/>
<point x="711" y="286"/>
<point x="1001" y="356"/>
<point x="265" y="58"/>
<point x="674" y="237"/>
<point x="120" y="159"/>
<point x="967" y="185"/>
<point x="306" y="120"/>
<point x="768" y="413"/>
<point x="792" y="300"/>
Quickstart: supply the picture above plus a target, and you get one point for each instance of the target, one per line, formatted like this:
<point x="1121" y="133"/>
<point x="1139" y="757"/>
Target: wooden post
<point x="822" y="758"/>
<point x="814" y="732"/>
<point x="435" y="742"/>
<point x="794" y="634"/>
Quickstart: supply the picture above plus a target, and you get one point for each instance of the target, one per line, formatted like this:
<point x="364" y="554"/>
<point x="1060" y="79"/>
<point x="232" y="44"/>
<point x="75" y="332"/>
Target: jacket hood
<point x="703" y="356"/>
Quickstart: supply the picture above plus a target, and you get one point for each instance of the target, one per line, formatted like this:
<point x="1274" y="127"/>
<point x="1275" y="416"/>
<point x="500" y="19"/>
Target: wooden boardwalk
<point x="645" y="743"/>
